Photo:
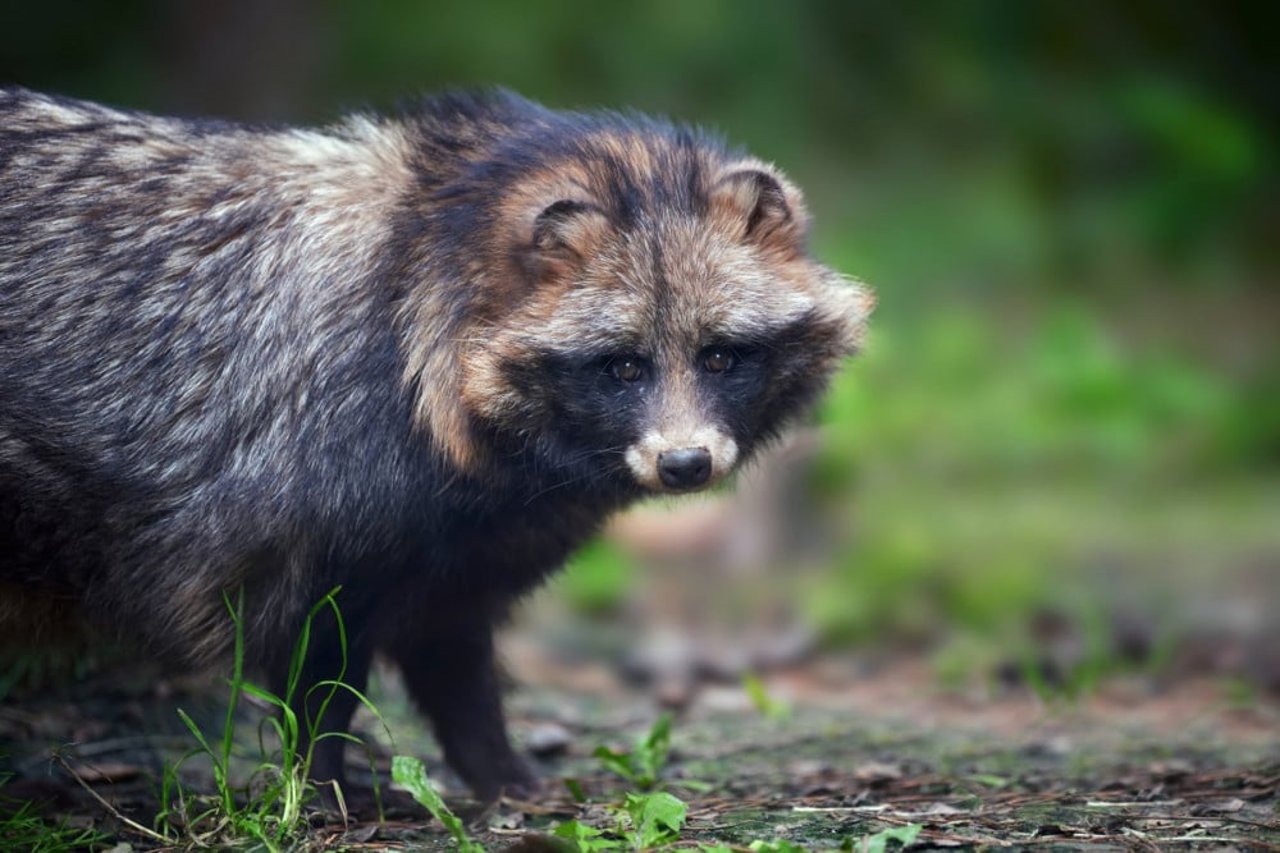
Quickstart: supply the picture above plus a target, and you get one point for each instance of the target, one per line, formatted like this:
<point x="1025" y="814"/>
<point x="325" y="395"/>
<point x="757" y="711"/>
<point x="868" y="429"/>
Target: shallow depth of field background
<point x="1064" y="436"/>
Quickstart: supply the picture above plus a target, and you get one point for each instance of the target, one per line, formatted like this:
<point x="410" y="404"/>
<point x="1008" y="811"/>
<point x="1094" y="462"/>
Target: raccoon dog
<point x="421" y="357"/>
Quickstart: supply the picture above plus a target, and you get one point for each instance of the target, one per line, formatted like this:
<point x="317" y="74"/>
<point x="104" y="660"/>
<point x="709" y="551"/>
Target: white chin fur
<point x="642" y="457"/>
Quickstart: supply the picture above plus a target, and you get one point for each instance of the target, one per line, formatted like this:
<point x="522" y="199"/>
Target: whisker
<point x="585" y="475"/>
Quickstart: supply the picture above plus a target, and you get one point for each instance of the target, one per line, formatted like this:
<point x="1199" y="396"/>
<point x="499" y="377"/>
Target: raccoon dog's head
<point x="652" y="313"/>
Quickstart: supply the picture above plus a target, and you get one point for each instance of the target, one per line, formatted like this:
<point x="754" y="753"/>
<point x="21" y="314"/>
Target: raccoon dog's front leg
<point x="450" y="673"/>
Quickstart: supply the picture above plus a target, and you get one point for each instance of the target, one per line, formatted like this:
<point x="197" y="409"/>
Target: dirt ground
<point x="845" y="748"/>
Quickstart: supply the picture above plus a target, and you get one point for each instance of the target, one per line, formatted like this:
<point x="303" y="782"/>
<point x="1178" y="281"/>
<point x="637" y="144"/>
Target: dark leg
<point x="450" y="674"/>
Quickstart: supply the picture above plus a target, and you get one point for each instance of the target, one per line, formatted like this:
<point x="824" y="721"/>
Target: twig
<point x="1221" y="839"/>
<point x="1272" y="825"/>
<point x="112" y="810"/>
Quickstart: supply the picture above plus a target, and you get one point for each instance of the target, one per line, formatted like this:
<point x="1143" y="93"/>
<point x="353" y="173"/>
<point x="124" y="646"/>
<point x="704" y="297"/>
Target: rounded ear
<point x="569" y="227"/>
<point x="761" y="207"/>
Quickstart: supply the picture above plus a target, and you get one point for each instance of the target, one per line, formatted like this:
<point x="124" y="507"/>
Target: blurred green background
<point x="1068" y="412"/>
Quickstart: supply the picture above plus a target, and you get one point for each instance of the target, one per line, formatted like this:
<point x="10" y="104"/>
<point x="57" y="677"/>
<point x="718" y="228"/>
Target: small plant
<point x="412" y="774"/>
<point x="644" y="819"/>
<point x="768" y="706"/>
<point x="879" y="842"/>
<point x="270" y="808"/>
<point x="642" y="764"/>
<point x="22" y="829"/>
<point x="651" y="820"/>
<point x="643" y="822"/>
<point x="584" y="838"/>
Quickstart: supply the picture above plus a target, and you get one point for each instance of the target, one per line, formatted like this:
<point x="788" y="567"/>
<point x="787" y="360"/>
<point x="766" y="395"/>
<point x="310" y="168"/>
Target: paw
<point x="511" y="780"/>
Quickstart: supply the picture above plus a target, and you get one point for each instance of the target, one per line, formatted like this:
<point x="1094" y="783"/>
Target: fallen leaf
<point x="1230" y="806"/>
<point x="876" y="771"/>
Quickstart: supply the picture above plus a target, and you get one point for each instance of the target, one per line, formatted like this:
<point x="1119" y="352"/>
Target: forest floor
<point x="830" y="753"/>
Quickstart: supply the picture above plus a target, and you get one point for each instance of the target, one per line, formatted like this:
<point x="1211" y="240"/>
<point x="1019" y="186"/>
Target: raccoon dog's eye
<point x="626" y="369"/>
<point x="717" y="360"/>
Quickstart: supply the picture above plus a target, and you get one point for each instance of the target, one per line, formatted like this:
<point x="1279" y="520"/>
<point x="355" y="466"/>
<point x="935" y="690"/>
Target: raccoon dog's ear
<point x="568" y="228"/>
<point x="761" y="207"/>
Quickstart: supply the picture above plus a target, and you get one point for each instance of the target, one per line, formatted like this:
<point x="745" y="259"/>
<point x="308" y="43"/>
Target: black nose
<point x="684" y="469"/>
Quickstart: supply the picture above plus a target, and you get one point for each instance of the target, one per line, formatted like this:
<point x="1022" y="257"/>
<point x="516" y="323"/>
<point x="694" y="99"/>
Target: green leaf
<point x="195" y="732"/>
<point x="878" y="843"/>
<point x="989" y="780"/>
<point x="642" y="765"/>
<point x="655" y="818"/>
<point x="575" y="790"/>
<point x="760" y="698"/>
<point x="263" y="695"/>
<point x="651" y="752"/>
<point x="779" y="846"/>
<point x="412" y="774"/>
<point x="617" y="762"/>
<point x="586" y="838"/>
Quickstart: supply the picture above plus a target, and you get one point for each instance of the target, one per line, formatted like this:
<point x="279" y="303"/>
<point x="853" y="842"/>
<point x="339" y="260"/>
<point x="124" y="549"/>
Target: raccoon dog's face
<point x="668" y="318"/>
